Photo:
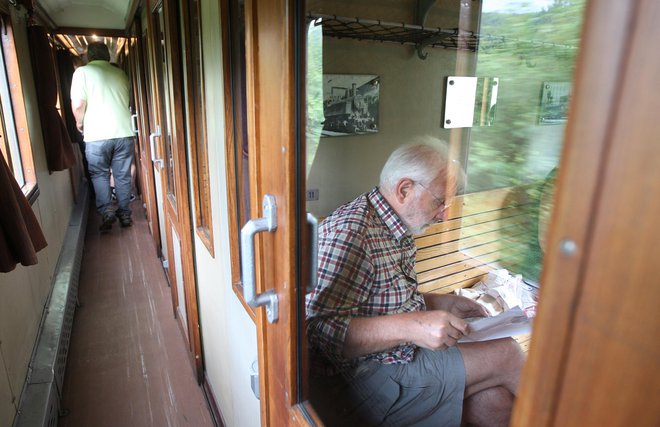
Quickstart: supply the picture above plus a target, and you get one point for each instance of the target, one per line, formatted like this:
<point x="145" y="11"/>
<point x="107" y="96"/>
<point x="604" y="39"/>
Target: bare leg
<point x="493" y="372"/>
<point x="490" y="407"/>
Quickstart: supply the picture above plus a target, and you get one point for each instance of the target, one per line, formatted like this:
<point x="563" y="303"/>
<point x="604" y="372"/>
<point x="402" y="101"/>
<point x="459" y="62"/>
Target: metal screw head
<point x="568" y="247"/>
<point x="448" y="121"/>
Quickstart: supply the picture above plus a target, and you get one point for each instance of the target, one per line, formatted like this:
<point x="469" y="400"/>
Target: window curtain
<point x="59" y="150"/>
<point x="20" y="233"/>
<point x="66" y="69"/>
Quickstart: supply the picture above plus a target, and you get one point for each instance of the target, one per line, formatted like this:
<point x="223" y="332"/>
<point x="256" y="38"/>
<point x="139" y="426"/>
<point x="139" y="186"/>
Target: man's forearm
<point x="434" y="330"/>
<point x="78" y="107"/>
<point x="368" y="335"/>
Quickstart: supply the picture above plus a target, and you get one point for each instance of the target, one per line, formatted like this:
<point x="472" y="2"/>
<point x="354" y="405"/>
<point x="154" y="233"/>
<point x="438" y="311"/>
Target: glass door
<point x="489" y="80"/>
<point x="369" y="83"/>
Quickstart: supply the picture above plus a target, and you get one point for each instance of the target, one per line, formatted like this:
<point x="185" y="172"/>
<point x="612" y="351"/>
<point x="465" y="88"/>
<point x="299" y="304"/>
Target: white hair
<point x="421" y="162"/>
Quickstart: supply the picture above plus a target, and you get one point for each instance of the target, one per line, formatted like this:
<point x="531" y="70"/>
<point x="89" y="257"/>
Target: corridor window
<point x="14" y="136"/>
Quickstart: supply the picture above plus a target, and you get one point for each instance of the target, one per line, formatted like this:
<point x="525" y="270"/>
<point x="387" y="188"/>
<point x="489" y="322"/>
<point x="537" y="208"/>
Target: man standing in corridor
<point x="100" y="95"/>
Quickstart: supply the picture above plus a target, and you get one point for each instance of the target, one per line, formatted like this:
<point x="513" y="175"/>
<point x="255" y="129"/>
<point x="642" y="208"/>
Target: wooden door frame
<point x="178" y="216"/>
<point x="609" y="39"/>
<point x="273" y="85"/>
<point x="144" y="164"/>
<point x="181" y="211"/>
<point x="157" y="90"/>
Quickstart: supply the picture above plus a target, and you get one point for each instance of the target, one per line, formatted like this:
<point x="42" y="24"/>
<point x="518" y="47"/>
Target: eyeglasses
<point x="439" y="203"/>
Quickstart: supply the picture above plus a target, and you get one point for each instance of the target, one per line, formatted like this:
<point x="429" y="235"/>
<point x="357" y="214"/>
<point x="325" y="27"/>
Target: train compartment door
<point x="168" y="146"/>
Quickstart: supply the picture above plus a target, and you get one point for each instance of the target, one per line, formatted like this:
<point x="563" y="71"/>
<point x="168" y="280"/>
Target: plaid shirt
<point x="365" y="268"/>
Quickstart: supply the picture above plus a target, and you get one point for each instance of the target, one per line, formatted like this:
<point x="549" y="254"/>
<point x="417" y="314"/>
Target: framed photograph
<point x="350" y="104"/>
<point x="555" y="97"/>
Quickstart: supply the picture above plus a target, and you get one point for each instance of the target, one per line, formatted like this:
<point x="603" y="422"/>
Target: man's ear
<point x="403" y="189"/>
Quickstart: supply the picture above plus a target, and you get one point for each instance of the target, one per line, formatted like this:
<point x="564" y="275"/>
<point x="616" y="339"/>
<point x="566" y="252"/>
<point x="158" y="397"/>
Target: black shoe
<point x="106" y="223"/>
<point x="125" y="220"/>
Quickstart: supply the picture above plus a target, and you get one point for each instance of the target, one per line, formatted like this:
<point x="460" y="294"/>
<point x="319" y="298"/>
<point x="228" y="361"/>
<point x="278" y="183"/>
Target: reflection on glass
<point x="165" y="107"/>
<point x="238" y="101"/>
<point x="485" y="101"/>
<point x="520" y="57"/>
<point x="314" y="90"/>
<point x="470" y="101"/>
<point x="532" y="50"/>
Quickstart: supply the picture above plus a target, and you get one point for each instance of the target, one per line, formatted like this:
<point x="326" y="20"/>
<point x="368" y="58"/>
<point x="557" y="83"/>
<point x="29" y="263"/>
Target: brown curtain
<point x="66" y="69"/>
<point x="20" y="234"/>
<point x="59" y="151"/>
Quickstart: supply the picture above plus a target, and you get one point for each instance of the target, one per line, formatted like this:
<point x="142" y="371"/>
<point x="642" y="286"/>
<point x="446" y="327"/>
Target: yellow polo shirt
<point x="106" y="91"/>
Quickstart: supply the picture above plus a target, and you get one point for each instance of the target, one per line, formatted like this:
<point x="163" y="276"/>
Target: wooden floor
<point x="128" y="364"/>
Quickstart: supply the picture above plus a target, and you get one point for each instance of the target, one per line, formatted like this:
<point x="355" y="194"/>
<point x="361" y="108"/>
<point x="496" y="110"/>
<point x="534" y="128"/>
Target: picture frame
<point x="555" y="98"/>
<point x="350" y="104"/>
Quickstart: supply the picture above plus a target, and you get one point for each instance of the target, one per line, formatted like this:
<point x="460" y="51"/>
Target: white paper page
<point x="507" y="324"/>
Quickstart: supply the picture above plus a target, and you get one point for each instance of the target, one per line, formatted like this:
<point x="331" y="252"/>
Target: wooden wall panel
<point x="613" y="371"/>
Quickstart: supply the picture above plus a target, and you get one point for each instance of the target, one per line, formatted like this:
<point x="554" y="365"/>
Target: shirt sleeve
<point x="78" y="85"/>
<point x="345" y="272"/>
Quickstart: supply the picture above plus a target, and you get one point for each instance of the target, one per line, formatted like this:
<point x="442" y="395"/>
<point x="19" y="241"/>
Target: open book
<point x="506" y="324"/>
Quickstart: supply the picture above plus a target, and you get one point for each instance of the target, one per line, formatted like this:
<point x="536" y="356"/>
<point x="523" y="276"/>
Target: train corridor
<point x="127" y="362"/>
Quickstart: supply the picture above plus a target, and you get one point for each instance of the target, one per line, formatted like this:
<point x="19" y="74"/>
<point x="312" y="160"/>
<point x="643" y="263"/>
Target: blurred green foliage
<point x="524" y="50"/>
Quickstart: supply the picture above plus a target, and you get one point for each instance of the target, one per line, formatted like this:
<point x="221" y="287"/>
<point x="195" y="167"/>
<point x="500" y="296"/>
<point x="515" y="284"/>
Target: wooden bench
<point x="484" y="231"/>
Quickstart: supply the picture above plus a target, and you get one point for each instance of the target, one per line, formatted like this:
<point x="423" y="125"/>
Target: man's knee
<point x="513" y="356"/>
<point x="511" y="359"/>
<point x="492" y="363"/>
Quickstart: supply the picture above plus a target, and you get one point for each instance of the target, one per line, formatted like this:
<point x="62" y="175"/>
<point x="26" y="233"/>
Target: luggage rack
<point x="416" y="35"/>
<point x="400" y="33"/>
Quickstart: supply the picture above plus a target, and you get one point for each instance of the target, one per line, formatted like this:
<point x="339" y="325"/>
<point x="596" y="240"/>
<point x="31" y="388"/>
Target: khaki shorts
<point x="425" y="392"/>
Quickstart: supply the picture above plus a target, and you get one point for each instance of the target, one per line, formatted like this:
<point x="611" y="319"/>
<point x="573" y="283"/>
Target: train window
<point x="200" y="165"/>
<point x="14" y="136"/>
<point x="359" y="111"/>
<point x="532" y="50"/>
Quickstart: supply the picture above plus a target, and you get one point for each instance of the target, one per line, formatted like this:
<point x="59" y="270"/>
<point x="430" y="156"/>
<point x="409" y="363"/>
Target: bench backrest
<point x="485" y="231"/>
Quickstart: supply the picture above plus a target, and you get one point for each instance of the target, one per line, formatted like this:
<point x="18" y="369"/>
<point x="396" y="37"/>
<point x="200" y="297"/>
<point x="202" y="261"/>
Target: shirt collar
<point x="387" y="214"/>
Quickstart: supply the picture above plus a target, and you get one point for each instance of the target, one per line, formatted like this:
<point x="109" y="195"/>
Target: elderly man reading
<point x="382" y="352"/>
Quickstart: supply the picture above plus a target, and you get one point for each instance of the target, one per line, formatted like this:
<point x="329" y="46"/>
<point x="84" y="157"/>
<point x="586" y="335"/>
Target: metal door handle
<point x="313" y="224"/>
<point x="267" y="223"/>
<point x="152" y="143"/>
<point x="134" y="123"/>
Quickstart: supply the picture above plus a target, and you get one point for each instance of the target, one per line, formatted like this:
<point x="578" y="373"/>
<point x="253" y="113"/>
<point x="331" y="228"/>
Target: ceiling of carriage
<point x="96" y="14"/>
<point x="86" y="18"/>
<point x="77" y="44"/>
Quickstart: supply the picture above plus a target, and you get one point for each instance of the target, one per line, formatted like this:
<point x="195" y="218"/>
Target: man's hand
<point x="438" y="330"/>
<point x="455" y="304"/>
